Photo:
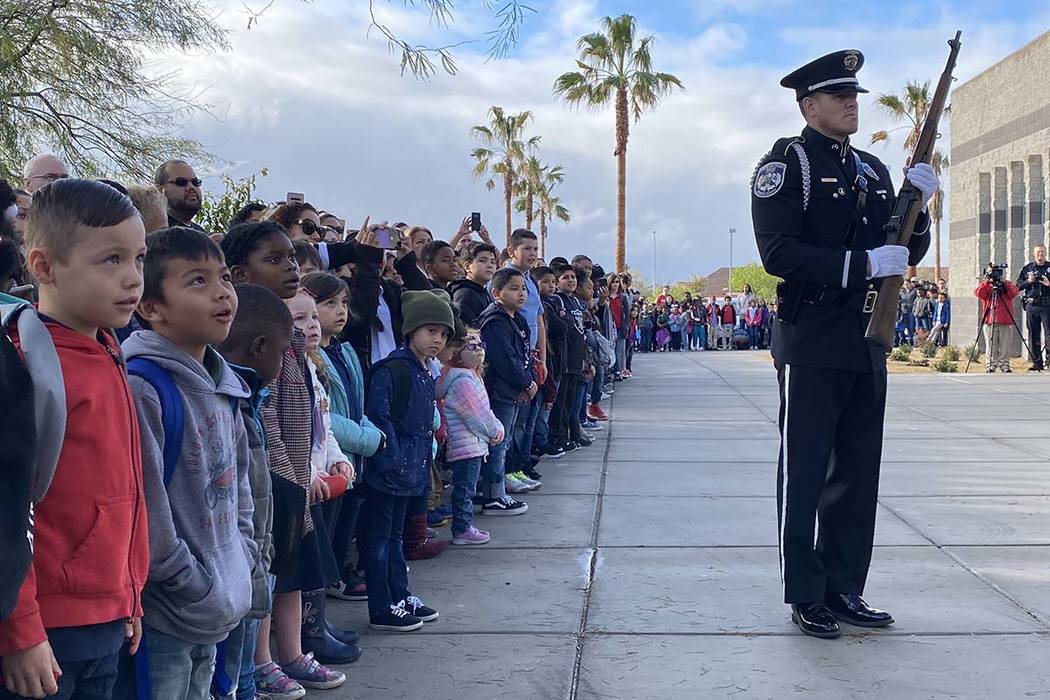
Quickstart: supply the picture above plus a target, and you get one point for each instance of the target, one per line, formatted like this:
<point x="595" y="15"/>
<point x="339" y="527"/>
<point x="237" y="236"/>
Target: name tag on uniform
<point x="829" y="179"/>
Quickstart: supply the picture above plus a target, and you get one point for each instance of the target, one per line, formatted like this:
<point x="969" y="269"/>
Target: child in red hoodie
<point x="80" y="599"/>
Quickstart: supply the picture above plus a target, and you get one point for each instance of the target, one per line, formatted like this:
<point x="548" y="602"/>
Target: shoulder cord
<point x="803" y="161"/>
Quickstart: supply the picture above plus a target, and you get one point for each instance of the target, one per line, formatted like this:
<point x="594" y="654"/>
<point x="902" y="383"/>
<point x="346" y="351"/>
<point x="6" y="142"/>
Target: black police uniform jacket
<point x="804" y="206"/>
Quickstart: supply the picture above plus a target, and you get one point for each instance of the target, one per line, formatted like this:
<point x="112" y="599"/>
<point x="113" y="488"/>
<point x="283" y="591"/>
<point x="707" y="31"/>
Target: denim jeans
<point x="540" y="437"/>
<point x="583" y="390"/>
<point x="93" y="679"/>
<point x="465" y="473"/>
<point x="621" y="354"/>
<point x="177" y="668"/>
<point x="597" y="384"/>
<point x="524" y="428"/>
<point x="385" y="571"/>
<point x="246" y="681"/>
<point x="493" y="471"/>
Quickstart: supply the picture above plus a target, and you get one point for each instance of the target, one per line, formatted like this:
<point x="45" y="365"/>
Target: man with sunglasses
<point x="182" y="188"/>
<point x="41" y="170"/>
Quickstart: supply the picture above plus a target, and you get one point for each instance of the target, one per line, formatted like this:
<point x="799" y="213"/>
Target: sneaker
<point x="310" y="674"/>
<point x="595" y="412"/>
<point x="593" y="425"/>
<point x="528" y="481"/>
<point x="415" y="607"/>
<point x="584" y="441"/>
<point x="606" y="395"/>
<point x="534" y="476"/>
<point x="514" y="485"/>
<point x="505" y="506"/>
<point x="354" y="589"/>
<point x="471" y="536"/>
<point x="439" y="517"/>
<point x="556" y="451"/>
<point x="272" y="683"/>
<point x="432" y="533"/>
<point x="397" y="620"/>
<point x="587" y="435"/>
<point x="571" y="446"/>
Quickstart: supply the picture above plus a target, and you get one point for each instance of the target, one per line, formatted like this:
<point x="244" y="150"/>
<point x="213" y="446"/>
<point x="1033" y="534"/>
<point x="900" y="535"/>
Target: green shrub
<point x="945" y="365"/>
<point x="901" y="354"/>
<point x="951" y="353"/>
<point x="928" y="349"/>
<point x="972" y="352"/>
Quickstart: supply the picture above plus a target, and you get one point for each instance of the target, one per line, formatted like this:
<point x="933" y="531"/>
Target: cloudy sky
<point x="314" y="97"/>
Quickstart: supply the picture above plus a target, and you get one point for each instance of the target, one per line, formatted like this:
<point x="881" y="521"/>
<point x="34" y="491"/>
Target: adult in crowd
<point x="151" y="205"/>
<point x="41" y="170"/>
<point x="997" y="318"/>
<point x="300" y="220"/>
<point x="180" y="185"/>
<point x="1034" y="282"/>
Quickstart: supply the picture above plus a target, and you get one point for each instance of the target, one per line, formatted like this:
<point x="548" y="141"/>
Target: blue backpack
<point x="172" y="418"/>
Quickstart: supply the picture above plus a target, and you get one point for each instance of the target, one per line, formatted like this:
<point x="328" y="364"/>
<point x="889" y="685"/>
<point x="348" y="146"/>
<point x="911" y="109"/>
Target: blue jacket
<point x="943" y="312"/>
<point x="507" y="352"/>
<point x="403" y="467"/>
<point x="353" y="431"/>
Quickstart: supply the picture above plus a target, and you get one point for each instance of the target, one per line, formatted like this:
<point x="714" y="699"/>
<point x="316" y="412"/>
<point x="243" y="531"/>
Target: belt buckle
<point x="869" y="301"/>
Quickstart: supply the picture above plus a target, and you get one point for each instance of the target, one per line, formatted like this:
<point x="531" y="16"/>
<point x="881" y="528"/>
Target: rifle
<point x="906" y="211"/>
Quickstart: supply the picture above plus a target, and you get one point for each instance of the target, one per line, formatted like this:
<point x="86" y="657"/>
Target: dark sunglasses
<point x="309" y="227"/>
<point x="182" y="182"/>
<point x="474" y="345"/>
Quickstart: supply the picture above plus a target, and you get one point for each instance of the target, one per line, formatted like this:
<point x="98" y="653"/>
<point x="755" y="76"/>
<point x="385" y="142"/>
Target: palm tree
<point x="529" y="183"/>
<point x="504" y="153"/>
<point x="613" y="68"/>
<point x="550" y="205"/>
<point x="911" y="108"/>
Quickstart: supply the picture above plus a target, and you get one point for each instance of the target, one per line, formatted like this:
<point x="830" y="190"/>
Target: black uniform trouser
<point x="1038" y="316"/>
<point x="560" y="421"/>
<point x="831" y="425"/>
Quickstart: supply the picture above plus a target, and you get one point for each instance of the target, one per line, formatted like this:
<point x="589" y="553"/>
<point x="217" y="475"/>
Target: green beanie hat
<point x="421" y="308"/>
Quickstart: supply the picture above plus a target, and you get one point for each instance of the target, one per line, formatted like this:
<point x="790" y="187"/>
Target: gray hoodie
<point x="200" y="526"/>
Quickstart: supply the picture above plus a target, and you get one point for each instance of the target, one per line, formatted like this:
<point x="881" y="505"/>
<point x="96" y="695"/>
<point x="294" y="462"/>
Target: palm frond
<point x="880" y="136"/>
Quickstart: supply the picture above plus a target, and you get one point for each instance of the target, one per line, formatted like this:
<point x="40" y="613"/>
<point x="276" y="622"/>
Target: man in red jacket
<point x="997" y="316"/>
<point x="80" y="599"/>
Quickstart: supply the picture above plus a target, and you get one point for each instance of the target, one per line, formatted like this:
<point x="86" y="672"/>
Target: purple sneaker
<point x="471" y="536"/>
<point x="310" y="674"/>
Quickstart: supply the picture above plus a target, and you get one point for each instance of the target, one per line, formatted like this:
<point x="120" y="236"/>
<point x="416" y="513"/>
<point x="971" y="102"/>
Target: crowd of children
<point x="181" y="508"/>
<point x="733" y="322"/>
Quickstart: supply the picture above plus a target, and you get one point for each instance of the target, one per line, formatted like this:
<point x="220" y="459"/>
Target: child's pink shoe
<point x="471" y="536"/>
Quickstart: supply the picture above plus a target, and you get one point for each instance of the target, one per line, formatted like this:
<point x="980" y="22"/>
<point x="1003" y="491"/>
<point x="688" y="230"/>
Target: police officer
<point x="819" y="206"/>
<point x="1034" y="283"/>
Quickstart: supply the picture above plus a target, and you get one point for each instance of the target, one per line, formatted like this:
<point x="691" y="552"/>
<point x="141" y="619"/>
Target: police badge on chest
<point x="769" y="179"/>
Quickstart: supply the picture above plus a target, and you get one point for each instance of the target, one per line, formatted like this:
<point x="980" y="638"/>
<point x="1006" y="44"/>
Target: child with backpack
<point x="472" y="428"/>
<point x="261" y="253"/>
<point x="195" y="465"/>
<point x="400" y="402"/>
<point x="260" y="336"/>
<point x="64" y="631"/>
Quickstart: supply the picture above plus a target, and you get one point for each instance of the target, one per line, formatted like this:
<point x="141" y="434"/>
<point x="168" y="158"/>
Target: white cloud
<point x="309" y="95"/>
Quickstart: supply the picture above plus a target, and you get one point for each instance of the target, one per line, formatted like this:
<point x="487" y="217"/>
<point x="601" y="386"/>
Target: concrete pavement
<point x="647" y="564"/>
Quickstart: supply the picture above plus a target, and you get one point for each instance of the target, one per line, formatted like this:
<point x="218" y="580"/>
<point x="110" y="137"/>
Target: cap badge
<point x="851" y="60"/>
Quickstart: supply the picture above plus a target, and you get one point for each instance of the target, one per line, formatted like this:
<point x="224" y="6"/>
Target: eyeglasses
<point x="309" y="227"/>
<point x="50" y="177"/>
<point x="474" y="345"/>
<point x="182" y="182"/>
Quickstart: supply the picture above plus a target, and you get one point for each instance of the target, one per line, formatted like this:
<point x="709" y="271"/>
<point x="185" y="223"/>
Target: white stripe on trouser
<point x="784" y="470"/>
<point x="845" y="270"/>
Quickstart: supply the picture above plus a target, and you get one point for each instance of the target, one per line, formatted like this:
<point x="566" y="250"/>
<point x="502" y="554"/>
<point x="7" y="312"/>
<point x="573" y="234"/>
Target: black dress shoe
<point x="851" y="608"/>
<point x="815" y="620"/>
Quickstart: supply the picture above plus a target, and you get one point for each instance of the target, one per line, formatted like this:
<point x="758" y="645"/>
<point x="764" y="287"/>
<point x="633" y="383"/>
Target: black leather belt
<point x="853" y="300"/>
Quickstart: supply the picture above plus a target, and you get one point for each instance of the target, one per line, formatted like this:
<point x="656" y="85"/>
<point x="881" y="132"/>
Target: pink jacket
<point x="471" y="422"/>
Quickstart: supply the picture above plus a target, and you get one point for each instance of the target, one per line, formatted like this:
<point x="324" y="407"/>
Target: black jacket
<point x="469" y="299"/>
<point x="556" y="317"/>
<point x="1034" y="291"/>
<point x="507" y="352"/>
<point x="365" y="287"/>
<point x="575" y="341"/>
<point x="804" y="207"/>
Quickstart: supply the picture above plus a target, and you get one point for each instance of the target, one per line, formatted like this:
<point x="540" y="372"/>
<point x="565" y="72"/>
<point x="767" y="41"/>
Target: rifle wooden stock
<point x="883" y="321"/>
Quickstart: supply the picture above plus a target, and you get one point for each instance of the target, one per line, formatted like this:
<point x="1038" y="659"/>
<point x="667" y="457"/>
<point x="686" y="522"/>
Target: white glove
<point x="887" y="261"/>
<point x="925" y="178"/>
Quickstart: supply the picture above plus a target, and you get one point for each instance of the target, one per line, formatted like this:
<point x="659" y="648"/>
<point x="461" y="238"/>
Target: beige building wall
<point x="1000" y="135"/>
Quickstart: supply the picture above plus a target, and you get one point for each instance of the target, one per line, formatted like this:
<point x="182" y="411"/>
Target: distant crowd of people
<point x="733" y="322"/>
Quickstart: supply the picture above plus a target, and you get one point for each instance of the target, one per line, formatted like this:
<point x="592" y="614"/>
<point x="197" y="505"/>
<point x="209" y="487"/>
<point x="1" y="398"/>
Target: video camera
<point x="994" y="273"/>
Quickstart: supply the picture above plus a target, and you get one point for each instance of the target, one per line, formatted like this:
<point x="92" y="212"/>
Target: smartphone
<point x="475" y="221"/>
<point x="297" y="197"/>
<point x="388" y="238"/>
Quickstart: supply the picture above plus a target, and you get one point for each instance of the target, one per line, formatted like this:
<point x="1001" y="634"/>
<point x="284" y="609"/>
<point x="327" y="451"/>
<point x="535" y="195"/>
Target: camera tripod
<point x="993" y="303"/>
